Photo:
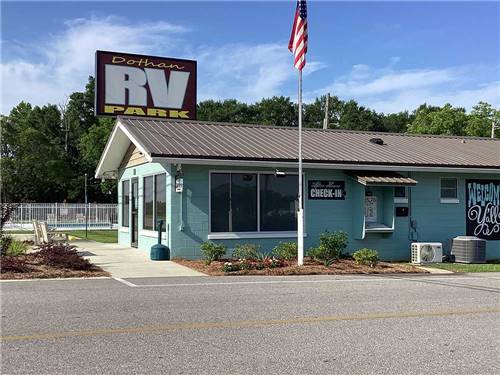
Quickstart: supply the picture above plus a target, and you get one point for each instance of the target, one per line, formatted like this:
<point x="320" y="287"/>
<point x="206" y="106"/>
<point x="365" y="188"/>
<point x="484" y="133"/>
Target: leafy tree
<point x="356" y="117"/>
<point x="480" y="119"/>
<point x="314" y="113"/>
<point x="397" y="122"/>
<point x="434" y="120"/>
<point x="229" y="110"/>
<point x="278" y="110"/>
<point x="34" y="167"/>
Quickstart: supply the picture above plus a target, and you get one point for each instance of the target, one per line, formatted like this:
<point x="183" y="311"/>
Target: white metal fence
<point x="64" y="216"/>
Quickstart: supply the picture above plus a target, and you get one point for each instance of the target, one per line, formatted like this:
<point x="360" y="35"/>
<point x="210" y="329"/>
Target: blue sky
<point x="388" y="56"/>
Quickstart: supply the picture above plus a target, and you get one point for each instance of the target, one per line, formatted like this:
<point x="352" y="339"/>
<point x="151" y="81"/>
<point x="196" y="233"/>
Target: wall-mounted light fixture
<point x="279" y="173"/>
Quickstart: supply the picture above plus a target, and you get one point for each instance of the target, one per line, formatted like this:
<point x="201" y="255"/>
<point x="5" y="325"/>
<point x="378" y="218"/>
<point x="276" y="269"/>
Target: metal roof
<point x="382" y="178"/>
<point x="225" y="141"/>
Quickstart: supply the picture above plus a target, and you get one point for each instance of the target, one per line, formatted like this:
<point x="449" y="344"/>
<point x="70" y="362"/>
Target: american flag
<point x="298" y="40"/>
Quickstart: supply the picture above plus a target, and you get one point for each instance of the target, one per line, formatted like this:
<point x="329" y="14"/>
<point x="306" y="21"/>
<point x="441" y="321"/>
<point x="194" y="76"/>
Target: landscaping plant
<point x="330" y="248"/>
<point x="17" y="248"/>
<point x="366" y="256"/>
<point x="62" y="256"/>
<point x="13" y="264"/>
<point x="285" y="250"/>
<point x="246" y="251"/>
<point x="212" y="251"/>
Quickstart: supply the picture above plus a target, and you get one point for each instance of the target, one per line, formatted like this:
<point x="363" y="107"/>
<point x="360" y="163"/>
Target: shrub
<point x="335" y="243"/>
<point x="230" y="267"/>
<point x="14" y="264"/>
<point x="330" y="248"/>
<point x="5" y="242"/>
<point x="366" y="256"/>
<point x="212" y="251"/>
<point x="17" y="248"/>
<point x="247" y="251"/>
<point x="62" y="256"/>
<point x="285" y="250"/>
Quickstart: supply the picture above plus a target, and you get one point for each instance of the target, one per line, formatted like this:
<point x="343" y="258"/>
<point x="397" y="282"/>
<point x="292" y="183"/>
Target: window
<point x="148" y="217"/>
<point x="399" y="192"/>
<point x="160" y="200"/>
<point x="233" y="202"/>
<point x="125" y="203"/>
<point x="449" y="190"/>
<point x="277" y="202"/>
<point x="154" y="199"/>
<point x="251" y="202"/>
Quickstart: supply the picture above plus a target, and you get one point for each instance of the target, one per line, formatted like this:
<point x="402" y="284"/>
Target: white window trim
<point x="254" y="234"/>
<point x="400" y="200"/>
<point x="247" y="235"/>
<point x="152" y="233"/>
<point x="154" y="199"/>
<point x="450" y="200"/>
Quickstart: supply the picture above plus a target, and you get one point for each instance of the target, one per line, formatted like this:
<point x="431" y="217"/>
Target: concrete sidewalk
<point x="126" y="262"/>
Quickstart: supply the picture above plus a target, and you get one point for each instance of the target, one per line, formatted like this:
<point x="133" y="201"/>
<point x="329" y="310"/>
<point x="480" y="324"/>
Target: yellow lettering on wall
<point x="113" y="109"/>
<point x="180" y="114"/>
<point x="134" y="111"/>
<point x="155" y="112"/>
<point x="118" y="59"/>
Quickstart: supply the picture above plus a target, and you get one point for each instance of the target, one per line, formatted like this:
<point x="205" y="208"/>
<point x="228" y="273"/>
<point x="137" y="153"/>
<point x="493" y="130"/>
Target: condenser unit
<point x="468" y="249"/>
<point x="426" y="252"/>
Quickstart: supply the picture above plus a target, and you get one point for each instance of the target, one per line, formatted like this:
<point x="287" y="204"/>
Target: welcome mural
<point x="483" y="208"/>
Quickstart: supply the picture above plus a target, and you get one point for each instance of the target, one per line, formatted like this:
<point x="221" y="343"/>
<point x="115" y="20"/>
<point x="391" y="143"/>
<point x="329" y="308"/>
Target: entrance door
<point x="135" y="211"/>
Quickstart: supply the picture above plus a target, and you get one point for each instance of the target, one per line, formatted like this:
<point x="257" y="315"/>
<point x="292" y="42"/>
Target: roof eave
<point x="274" y="163"/>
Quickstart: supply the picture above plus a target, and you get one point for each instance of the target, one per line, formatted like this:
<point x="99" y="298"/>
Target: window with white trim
<point x="125" y="202"/>
<point x="449" y="188"/>
<point x="154" y="201"/>
<point x="252" y="202"/>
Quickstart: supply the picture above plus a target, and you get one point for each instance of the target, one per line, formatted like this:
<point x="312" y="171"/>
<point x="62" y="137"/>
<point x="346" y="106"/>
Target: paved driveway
<point x="124" y="262"/>
<point x="253" y="325"/>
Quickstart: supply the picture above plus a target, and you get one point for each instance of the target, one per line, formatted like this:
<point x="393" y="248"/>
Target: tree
<point x="278" y="111"/>
<point x="229" y="110"/>
<point x="355" y="117"/>
<point x="34" y="167"/>
<point x="480" y="120"/>
<point x="397" y="122"/>
<point x="314" y="113"/>
<point x="446" y="120"/>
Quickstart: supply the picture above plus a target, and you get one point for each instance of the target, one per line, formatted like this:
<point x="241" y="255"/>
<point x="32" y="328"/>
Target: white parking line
<point x="128" y="283"/>
<point x="364" y="279"/>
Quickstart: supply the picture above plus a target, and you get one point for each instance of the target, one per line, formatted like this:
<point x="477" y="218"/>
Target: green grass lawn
<point x="106" y="236"/>
<point x="465" y="267"/>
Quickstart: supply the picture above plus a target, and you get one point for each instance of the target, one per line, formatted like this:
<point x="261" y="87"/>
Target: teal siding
<point x="146" y="239"/>
<point x="188" y="213"/>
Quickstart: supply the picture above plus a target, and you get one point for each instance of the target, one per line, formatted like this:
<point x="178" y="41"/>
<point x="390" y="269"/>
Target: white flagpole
<point x="300" y="216"/>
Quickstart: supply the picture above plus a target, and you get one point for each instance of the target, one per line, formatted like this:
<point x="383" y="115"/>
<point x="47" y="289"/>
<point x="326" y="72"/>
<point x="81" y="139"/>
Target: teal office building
<point x="238" y="183"/>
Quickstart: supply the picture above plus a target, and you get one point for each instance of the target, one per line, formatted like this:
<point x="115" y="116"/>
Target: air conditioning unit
<point x="467" y="249"/>
<point x="426" y="252"/>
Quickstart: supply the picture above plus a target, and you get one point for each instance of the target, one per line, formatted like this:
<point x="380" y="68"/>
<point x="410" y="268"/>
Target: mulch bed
<point x="342" y="266"/>
<point x="38" y="270"/>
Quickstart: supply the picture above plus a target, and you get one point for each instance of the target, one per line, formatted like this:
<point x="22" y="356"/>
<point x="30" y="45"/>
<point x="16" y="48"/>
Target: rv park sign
<point x="144" y="86"/>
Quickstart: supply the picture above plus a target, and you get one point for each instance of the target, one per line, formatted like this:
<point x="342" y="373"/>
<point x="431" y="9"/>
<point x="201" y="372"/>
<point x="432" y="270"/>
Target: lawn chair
<point x="37" y="230"/>
<point x="51" y="236"/>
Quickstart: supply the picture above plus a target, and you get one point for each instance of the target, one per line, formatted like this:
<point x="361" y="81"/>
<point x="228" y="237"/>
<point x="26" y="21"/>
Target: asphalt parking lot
<point x="248" y="325"/>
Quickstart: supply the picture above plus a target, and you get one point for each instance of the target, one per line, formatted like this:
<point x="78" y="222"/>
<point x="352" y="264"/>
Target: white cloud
<point x="66" y="60"/>
<point x="244" y="72"/>
<point x="61" y="64"/>
<point x="392" y="90"/>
